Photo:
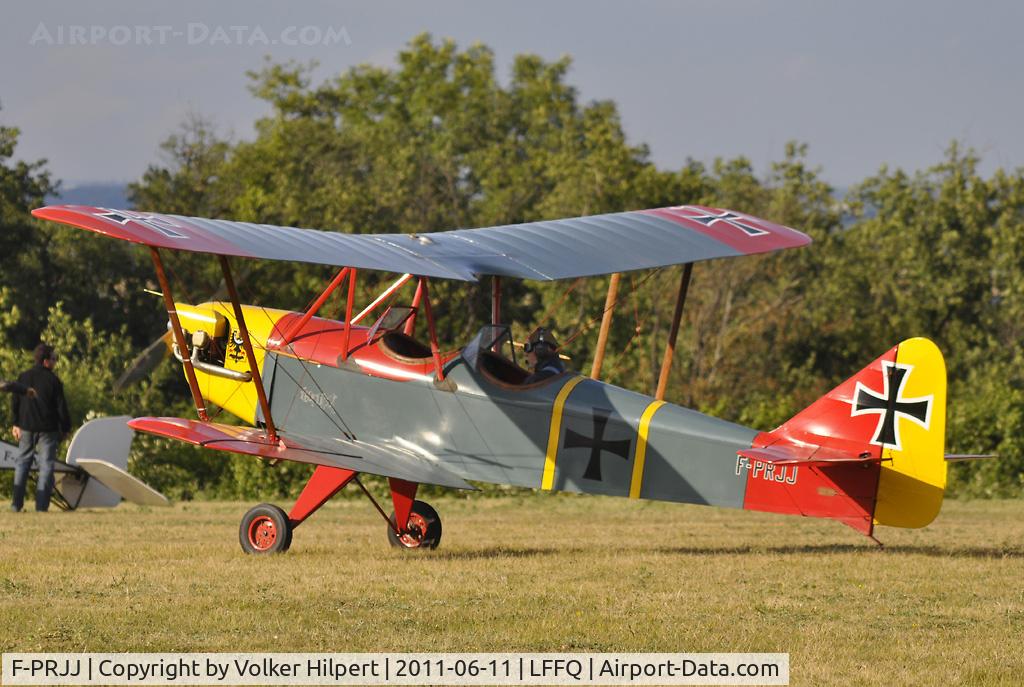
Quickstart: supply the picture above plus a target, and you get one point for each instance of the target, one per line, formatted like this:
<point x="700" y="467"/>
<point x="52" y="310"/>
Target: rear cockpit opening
<point x="499" y="368"/>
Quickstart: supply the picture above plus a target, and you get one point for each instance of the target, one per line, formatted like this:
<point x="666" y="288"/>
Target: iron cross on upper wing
<point x="733" y="220"/>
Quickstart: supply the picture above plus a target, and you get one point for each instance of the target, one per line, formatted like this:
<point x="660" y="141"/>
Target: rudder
<point x="913" y="478"/>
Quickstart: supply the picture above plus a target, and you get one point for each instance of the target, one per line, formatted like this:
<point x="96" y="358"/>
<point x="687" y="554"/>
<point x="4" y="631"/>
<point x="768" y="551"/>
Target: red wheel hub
<point x="412" y="536"/>
<point x="262" y="532"/>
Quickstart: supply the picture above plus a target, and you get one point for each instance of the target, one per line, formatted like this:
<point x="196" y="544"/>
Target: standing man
<point x="40" y="423"/>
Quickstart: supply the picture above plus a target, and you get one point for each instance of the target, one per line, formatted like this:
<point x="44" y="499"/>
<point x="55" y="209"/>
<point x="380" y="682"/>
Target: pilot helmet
<point x="540" y="340"/>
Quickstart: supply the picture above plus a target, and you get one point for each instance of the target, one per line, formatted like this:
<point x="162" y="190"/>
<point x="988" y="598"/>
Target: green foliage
<point x="89" y="362"/>
<point x="438" y="142"/>
<point x="23" y="251"/>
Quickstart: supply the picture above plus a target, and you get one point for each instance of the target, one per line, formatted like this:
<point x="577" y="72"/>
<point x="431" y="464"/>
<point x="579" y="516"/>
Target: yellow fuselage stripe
<point x="556" y="429"/>
<point x="641" y="449"/>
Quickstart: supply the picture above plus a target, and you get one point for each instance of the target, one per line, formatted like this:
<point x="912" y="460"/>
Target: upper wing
<point x="557" y="249"/>
<point x="361" y="456"/>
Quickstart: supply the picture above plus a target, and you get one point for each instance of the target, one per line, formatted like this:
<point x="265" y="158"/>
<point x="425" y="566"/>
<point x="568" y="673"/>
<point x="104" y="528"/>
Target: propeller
<point x="144" y="363"/>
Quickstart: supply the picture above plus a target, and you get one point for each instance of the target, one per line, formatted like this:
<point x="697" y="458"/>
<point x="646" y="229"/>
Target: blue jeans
<point x="41" y="447"/>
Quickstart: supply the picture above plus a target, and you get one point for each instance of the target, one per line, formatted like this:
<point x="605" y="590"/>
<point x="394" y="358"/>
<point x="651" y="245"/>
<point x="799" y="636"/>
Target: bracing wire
<point x="344" y="427"/>
<point x="594" y="320"/>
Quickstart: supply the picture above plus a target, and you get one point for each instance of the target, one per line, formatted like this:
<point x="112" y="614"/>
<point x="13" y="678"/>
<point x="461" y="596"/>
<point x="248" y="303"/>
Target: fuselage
<point x="567" y="433"/>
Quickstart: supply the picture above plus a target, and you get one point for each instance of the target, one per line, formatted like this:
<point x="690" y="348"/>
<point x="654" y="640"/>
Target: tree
<point x="24" y="258"/>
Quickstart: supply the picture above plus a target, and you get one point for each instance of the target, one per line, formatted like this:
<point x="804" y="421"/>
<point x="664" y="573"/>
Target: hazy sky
<point x="864" y="83"/>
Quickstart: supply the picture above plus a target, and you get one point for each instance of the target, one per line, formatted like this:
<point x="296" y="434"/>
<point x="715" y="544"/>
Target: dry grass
<point x="535" y="573"/>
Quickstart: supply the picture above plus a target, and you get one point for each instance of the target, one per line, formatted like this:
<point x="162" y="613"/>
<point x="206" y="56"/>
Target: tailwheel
<point x="265" y="529"/>
<point x="423" y="530"/>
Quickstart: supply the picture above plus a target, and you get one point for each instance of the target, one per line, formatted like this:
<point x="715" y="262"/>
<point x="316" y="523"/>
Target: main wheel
<point x="265" y="529"/>
<point x="422" y="532"/>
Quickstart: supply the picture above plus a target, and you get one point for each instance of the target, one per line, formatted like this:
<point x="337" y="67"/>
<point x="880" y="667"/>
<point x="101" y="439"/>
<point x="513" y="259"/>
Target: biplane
<point x="353" y="396"/>
<point x="94" y="473"/>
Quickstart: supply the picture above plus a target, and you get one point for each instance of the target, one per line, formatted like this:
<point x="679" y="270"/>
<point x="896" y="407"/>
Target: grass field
<point x="534" y="573"/>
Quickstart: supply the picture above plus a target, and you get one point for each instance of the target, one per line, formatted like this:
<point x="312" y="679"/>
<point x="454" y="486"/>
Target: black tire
<point x="265" y="529"/>
<point x="422" y="532"/>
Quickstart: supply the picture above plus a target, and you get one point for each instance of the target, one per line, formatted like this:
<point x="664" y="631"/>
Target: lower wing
<point x="369" y="457"/>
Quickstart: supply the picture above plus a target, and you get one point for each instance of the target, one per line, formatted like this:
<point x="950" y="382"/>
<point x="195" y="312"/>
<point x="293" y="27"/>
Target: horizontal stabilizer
<point x="126" y="486"/>
<point x="9" y="460"/>
<point x="787" y="454"/>
<point x="361" y="456"/>
<point x="958" y="457"/>
<point x="105" y="438"/>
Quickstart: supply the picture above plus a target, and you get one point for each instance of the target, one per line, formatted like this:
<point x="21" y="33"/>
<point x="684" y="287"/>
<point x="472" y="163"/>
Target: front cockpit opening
<point x="393" y="335"/>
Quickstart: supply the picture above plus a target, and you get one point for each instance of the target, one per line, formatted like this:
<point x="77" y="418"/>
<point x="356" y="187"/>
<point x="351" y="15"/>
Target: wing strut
<point x="495" y="300"/>
<point x="179" y="336"/>
<point x="435" y="348"/>
<point x="243" y="331"/>
<point x="399" y="283"/>
<point x="670" y="345"/>
<point x="313" y="309"/>
<point x="417" y="298"/>
<point x="606" y="324"/>
<point x="348" y="312"/>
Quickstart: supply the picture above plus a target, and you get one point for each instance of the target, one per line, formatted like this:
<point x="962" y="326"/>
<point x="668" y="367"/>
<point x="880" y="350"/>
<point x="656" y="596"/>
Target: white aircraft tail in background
<point x="94" y="474"/>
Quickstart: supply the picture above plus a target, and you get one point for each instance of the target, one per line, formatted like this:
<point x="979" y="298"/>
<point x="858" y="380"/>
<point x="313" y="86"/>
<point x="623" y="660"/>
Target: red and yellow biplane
<point x="350" y="396"/>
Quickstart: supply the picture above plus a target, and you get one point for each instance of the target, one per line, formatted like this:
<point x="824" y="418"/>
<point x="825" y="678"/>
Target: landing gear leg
<point x="413" y="524"/>
<point x="422" y="529"/>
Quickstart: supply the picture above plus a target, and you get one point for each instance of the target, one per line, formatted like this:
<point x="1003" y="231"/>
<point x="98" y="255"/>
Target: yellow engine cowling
<point x="219" y="358"/>
<point x="195" y="318"/>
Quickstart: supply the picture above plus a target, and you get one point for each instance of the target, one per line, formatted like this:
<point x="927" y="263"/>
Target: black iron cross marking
<point x="597" y="444"/>
<point x="890" y="405"/>
<point x="733" y="220"/>
<point x="115" y="217"/>
<point x="164" y="226"/>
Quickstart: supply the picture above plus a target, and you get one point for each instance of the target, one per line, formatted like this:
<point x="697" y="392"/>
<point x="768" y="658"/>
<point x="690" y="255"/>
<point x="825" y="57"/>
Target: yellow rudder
<point x="913" y="476"/>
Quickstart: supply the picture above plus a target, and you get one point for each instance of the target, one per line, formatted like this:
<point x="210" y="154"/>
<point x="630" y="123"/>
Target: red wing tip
<point x="145" y="422"/>
<point x="45" y="212"/>
<point x="65" y="208"/>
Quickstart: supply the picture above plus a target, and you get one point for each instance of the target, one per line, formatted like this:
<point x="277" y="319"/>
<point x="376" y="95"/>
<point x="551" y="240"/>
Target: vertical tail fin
<point x="108" y="438"/>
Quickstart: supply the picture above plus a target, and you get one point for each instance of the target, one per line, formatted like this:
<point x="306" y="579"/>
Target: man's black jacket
<point x="48" y="411"/>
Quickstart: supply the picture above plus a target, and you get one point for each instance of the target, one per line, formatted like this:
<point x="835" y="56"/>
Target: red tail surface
<point x="868" y="452"/>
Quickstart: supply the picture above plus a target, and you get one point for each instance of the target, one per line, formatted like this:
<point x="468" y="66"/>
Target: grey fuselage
<point x="585" y="434"/>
